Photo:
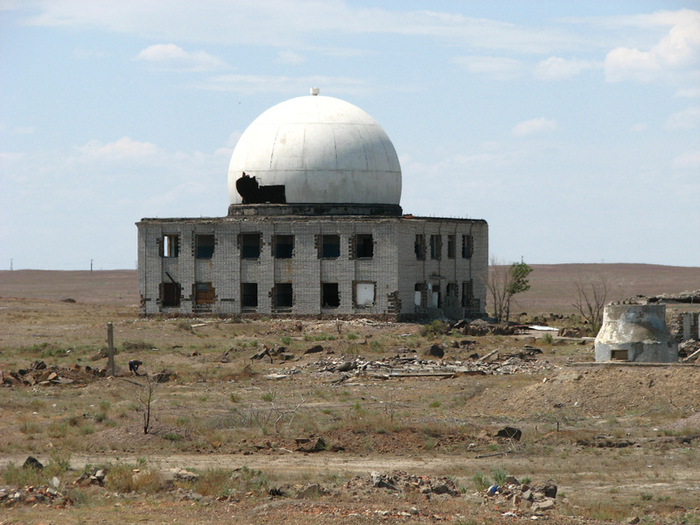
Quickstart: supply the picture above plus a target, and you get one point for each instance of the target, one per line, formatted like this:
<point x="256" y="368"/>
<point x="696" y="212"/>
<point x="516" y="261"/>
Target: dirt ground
<point x="619" y="442"/>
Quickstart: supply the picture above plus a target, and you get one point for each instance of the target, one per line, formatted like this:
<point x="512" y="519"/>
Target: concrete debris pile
<point x="522" y="497"/>
<point x="402" y="483"/>
<point x="93" y="476"/>
<point x="40" y="374"/>
<point x="10" y="497"/>
<point x="342" y="368"/>
<point x="481" y="327"/>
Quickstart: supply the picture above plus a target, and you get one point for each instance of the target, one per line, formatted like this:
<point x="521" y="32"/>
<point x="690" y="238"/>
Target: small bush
<point x="435" y="328"/>
<point x="499" y="475"/>
<point x="547" y="339"/>
<point x="129" y="478"/>
<point x="172" y="437"/>
<point x="286" y="340"/>
<point x="481" y="482"/>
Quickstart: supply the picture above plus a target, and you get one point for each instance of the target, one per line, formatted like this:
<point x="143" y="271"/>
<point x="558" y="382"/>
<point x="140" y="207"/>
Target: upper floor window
<point x="282" y="246"/>
<point x="204" y="246"/>
<point x="467" y="246"/>
<point x="419" y="247"/>
<point x="249" y="245"/>
<point x="436" y="246"/>
<point x="329" y="246"/>
<point x="451" y="246"/>
<point x="364" y="246"/>
<point x="170" y="246"/>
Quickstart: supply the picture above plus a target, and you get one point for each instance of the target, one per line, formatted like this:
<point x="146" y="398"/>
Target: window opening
<point x="419" y="288"/>
<point x="283" y="246"/>
<point x="467" y="293"/>
<point x="419" y="247"/>
<point x="249" y="295"/>
<point x="170" y="294"/>
<point x="171" y="246"/>
<point x="330" y="297"/>
<point x="451" y="247"/>
<point x="330" y="246"/>
<point x="283" y="295"/>
<point x="467" y="246"/>
<point x="204" y="246"/>
<point x="364" y="294"/>
<point x="364" y="246"/>
<point x="436" y="247"/>
<point x="204" y="293"/>
<point x="250" y="245"/>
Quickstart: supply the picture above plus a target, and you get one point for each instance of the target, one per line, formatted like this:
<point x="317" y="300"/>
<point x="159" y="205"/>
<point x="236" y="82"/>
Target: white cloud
<point x="641" y="126"/>
<point x="174" y="58"/>
<point x="678" y="51"/>
<point x="285" y="24"/>
<point x="24" y="130"/>
<point x="497" y="67"/>
<point x="686" y="119"/>
<point x="689" y="159"/>
<point x="533" y="126"/>
<point x="688" y="93"/>
<point x="557" y="68"/>
<point x="122" y="149"/>
<point x="289" y="58"/>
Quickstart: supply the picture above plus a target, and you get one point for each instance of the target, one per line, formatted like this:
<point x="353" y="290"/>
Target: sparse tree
<point x="590" y="297"/>
<point x="145" y="395"/>
<point x="503" y="283"/>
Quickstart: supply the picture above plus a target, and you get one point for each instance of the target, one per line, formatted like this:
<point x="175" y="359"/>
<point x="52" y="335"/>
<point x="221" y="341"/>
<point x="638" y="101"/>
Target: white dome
<point x="322" y="150"/>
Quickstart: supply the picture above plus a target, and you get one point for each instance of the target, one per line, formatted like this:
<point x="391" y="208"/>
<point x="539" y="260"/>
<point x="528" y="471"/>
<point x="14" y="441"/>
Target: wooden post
<point x="110" y="350"/>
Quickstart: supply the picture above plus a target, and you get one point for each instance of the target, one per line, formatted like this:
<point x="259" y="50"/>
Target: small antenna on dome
<point x="315" y="91"/>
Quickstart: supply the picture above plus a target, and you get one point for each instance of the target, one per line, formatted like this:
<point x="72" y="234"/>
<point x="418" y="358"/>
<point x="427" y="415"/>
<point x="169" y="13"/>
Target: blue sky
<point x="573" y="128"/>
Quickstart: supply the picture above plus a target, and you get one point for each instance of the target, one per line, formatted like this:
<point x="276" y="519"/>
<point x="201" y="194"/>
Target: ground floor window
<point x="330" y="296"/>
<point x="467" y="293"/>
<point x="283" y="296"/>
<point x="249" y="295"/>
<point x="170" y="294"/>
<point x="203" y="294"/>
<point x="364" y="294"/>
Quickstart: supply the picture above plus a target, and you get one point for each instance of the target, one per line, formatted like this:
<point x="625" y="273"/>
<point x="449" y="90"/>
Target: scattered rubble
<point x="522" y="496"/>
<point x="402" y="483"/>
<point x="40" y="374"/>
<point x="10" y="497"/>
<point x="340" y="369"/>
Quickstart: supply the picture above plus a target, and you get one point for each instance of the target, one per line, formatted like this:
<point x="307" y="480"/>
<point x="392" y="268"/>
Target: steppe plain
<point x="621" y="443"/>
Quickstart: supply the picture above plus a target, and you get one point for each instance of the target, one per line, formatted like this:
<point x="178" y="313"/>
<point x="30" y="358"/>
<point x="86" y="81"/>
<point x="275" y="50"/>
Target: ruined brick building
<point x="314" y="227"/>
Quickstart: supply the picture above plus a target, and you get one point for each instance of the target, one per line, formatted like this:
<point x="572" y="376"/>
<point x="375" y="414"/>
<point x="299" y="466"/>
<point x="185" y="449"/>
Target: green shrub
<point x="435" y="328"/>
<point x="499" y="475"/>
<point x="481" y="482"/>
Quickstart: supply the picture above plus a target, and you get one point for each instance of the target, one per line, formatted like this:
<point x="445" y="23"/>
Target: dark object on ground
<point x="134" y="365"/>
<point x="510" y="432"/>
<point x="32" y="462"/>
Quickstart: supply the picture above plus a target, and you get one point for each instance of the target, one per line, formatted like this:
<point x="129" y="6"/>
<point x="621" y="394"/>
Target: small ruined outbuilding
<point x="314" y="227"/>
<point x="635" y="333"/>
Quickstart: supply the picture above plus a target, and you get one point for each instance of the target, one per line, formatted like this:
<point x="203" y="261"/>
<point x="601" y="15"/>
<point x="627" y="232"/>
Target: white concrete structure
<point x="314" y="228"/>
<point x="322" y="150"/>
<point x="636" y="333"/>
